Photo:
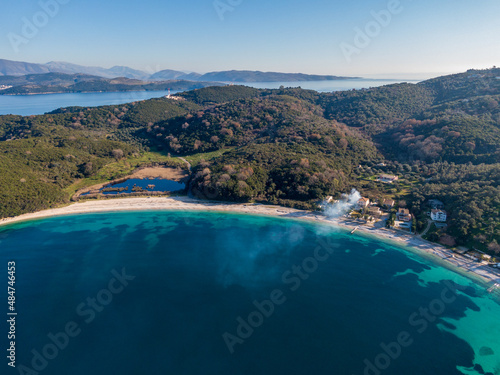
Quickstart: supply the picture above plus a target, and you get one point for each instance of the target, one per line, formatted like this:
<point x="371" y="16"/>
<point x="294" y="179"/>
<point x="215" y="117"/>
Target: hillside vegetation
<point x="288" y="146"/>
<point x="71" y="83"/>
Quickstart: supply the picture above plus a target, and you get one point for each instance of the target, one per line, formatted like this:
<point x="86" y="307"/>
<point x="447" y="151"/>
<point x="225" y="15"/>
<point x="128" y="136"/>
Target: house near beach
<point x="375" y="211"/>
<point x="438" y="215"/>
<point x="388" y="203"/>
<point x="402" y="224"/>
<point x="404" y="214"/>
<point x="363" y="203"/>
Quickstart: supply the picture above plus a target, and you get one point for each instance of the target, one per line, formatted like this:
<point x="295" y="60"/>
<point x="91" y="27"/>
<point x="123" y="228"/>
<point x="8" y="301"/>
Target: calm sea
<point x="209" y="293"/>
<point x="329" y="86"/>
<point x="27" y="105"/>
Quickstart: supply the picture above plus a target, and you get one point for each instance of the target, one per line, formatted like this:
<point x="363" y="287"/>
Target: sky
<point x="386" y="38"/>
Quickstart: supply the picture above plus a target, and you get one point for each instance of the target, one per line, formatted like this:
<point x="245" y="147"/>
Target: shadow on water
<point x="196" y="273"/>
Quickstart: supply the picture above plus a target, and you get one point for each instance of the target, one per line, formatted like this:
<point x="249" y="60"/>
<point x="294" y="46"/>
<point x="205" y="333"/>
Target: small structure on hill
<point x="387" y="178"/>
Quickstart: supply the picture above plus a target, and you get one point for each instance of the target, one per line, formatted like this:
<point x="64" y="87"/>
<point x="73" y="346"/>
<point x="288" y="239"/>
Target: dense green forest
<point x="287" y="146"/>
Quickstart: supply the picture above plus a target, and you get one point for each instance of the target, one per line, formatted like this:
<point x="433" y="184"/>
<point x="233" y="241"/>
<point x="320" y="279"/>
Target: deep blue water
<point x="196" y="275"/>
<point x="329" y="86"/>
<point x="159" y="185"/>
<point x="27" y="105"/>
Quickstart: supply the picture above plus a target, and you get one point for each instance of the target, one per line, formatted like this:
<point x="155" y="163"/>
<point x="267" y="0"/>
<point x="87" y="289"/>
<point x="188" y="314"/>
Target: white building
<point x="438" y="215"/>
<point x="388" y="178"/>
<point x="402" y="224"/>
<point x="363" y="203"/>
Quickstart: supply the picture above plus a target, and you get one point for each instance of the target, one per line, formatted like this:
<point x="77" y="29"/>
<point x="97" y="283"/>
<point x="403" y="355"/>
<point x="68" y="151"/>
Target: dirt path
<point x="429" y="223"/>
<point x="188" y="164"/>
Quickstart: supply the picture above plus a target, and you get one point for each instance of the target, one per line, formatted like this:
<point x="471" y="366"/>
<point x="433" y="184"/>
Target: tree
<point x="447" y="240"/>
<point x="87" y="169"/>
<point x="494" y="247"/>
<point x="117" y="154"/>
<point x="343" y="143"/>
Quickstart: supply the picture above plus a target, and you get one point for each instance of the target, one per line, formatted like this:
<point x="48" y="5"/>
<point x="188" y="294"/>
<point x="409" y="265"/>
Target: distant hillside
<point x="473" y="83"/>
<point x="66" y="83"/>
<point x="8" y="67"/>
<point x="48" y="79"/>
<point x="16" y="68"/>
<point x="256" y="76"/>
<point x="116" y="71"/>
<point x="174" y="74"/>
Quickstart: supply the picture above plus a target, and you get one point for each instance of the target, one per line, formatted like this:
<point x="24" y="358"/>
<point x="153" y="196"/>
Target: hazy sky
<point x="314" y="36"/>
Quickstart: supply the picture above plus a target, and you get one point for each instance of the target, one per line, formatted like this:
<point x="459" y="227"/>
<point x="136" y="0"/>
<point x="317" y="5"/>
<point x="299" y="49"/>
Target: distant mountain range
<point x="256" y="76"/>
<point x="19" y="68"/>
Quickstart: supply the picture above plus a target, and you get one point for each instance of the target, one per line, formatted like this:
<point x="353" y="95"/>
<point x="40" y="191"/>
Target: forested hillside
<point x="287" y="146"/>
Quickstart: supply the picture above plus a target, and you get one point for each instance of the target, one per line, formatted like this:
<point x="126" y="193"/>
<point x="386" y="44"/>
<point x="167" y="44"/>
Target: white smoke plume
<point x="341" y="207"/>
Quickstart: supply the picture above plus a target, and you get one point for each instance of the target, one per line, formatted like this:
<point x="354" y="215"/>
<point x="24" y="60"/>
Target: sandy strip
<point x="167" y="173"/>
<point x="476" y="270"/>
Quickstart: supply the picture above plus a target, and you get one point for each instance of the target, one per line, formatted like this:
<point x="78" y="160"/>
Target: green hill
<point x="288" y="146"/>
<point x="68" y="83"/>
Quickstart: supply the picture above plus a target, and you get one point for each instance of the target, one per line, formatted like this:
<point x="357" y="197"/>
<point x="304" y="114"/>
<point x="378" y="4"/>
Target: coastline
<point x="142" y="173"/>
<point x="78" y="92"/>
<point x="476" y="271"/>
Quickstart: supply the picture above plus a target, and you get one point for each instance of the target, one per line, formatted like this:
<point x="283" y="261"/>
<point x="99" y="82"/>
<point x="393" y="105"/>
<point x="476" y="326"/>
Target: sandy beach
<point x="478" y="271"/>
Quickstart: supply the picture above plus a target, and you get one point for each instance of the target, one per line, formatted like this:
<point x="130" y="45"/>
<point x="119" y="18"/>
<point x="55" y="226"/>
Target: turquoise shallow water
<point x="211" y="293"/>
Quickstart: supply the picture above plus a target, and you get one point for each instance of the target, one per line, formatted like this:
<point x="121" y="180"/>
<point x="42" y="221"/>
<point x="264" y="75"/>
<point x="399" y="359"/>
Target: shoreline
<point x="142" y="173"/>
<point x="80" y="92"/>
<point x="477" y="271"/>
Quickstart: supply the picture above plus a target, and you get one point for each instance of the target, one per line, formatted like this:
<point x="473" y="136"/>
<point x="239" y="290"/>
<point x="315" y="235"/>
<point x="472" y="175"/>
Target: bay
<point x="27" y="105"/>
<point x="329" y="86"/>
<point x="187" y="280"/>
